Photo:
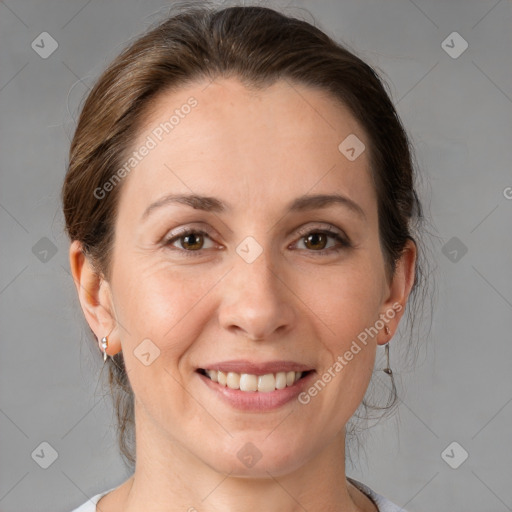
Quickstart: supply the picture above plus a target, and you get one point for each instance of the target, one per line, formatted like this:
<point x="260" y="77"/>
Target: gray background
<point x="458" y="112"/>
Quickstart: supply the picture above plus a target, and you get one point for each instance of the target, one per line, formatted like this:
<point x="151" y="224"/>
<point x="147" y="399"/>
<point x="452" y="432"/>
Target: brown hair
<point x="259" y="46"/>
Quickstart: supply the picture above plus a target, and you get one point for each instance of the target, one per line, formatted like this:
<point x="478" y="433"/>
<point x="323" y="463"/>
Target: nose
<point x="256" y="300"/>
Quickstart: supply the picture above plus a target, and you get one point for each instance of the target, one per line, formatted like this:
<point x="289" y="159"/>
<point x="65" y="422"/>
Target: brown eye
<point x="193" y="241"/>
<point x="190" y="241"/>
<point x="316" y="241"/>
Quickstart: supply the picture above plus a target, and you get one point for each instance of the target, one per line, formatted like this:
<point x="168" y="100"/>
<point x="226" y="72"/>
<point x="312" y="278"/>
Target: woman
<point x="240" y="203"/>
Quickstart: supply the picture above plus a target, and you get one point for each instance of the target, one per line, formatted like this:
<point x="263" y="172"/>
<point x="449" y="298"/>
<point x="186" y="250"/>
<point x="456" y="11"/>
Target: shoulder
<point x="90" y="504"/>
<point x="383" y="504"/>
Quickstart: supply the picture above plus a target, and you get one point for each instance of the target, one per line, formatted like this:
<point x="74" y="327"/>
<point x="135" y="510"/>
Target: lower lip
<point x="257" y="400"/>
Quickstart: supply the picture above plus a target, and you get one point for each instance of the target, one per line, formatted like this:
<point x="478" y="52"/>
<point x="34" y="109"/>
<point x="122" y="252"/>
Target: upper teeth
<point x="249" y="382"/>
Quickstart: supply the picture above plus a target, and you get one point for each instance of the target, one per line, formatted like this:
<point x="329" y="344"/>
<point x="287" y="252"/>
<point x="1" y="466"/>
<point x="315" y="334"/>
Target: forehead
<point x="221" y="138"/>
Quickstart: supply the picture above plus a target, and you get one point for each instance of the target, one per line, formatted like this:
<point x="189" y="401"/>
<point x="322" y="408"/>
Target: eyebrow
<point x="212" y="204"/>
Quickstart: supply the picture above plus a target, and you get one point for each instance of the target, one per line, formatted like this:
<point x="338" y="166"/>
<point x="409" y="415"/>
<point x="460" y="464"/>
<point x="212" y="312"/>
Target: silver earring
<point x="104" y="345"/>
<point x="388" y="368"/>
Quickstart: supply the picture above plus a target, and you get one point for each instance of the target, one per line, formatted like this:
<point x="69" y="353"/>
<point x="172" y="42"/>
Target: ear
<point x="95" y="298"/>
<point x="398" y="291"/>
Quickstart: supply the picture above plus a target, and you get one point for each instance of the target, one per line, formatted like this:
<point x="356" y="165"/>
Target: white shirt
<point x="382" y="503"/>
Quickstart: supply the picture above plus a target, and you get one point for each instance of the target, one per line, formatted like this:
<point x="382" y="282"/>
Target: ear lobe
<point x="93" y="292"/>
<point x="400" y="288"/>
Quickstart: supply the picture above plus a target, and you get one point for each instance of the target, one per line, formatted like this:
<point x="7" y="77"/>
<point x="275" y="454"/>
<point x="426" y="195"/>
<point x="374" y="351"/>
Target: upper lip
<point x="250" y="367"/>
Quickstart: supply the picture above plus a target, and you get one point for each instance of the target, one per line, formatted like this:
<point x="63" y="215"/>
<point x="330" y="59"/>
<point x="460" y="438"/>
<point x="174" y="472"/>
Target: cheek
<point x="156" y="301"/>
<point x="345" y="302"/>
<point x="345" y="298"/>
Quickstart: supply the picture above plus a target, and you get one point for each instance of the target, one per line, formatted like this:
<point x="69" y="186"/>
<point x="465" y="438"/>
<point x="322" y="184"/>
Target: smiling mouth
<point x="251" y="383"/>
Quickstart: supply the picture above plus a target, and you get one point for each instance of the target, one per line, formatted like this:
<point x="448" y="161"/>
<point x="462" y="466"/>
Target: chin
<point x="257" y="456"/>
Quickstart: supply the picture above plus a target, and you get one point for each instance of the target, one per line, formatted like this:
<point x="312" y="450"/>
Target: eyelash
<point x="344" y="243"/>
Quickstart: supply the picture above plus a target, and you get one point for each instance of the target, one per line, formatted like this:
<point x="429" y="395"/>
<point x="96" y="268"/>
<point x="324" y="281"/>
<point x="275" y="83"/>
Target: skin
<point x="255" y="152"/>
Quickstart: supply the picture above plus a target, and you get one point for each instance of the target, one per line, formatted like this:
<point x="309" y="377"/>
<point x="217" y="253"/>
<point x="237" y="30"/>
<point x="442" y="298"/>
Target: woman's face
<point x="260" y="285"/>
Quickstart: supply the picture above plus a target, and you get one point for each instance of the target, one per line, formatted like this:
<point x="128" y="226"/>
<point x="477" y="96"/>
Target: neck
<point x="171" y="478"/>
